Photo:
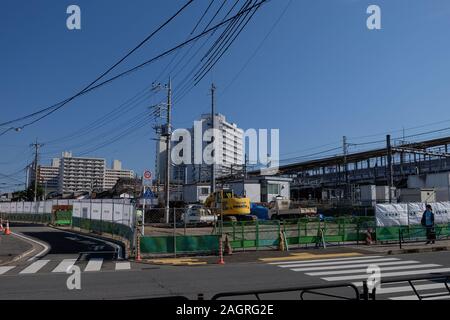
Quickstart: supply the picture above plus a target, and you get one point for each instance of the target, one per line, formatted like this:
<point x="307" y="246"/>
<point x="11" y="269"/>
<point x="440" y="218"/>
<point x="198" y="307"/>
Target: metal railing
<point x="302" y="291"/>
<point x="444" y="278"/>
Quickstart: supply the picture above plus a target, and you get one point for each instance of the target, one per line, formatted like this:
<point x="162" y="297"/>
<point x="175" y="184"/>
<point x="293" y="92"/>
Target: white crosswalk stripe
<point x="325" y="273"/>
<point x="347" y="266"/>
<point x="94" y="264"/>
<point x="355" y="268"/>
<point x="328" y="260"/>
<point x="337" y="263"/>
<point x="61" y="266"/>
<point x="35" y="267"/>
<point x="123" y="265"/>
<point x="64" y="265"/>
<point x="6" y="269"/>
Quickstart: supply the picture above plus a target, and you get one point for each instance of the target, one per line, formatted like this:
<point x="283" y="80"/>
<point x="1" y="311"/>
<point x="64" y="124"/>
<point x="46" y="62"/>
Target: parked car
<point x="196" y="213"/>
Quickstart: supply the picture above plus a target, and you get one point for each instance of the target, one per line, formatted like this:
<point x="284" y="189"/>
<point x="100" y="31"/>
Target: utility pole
<point x="213" y="112"/>
<point x="245" y="166"/>
<point x="390" y="166"/>
<point x="36" y="146"/>
<point x="169" y="133"/>
<point x="345" y="151"/>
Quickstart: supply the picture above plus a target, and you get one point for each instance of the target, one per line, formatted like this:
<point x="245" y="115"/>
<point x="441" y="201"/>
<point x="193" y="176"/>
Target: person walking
<point x="428" y="222"/>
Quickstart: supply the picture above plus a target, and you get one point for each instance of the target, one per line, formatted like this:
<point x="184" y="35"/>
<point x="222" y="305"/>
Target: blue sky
<point x="319" y="75"/>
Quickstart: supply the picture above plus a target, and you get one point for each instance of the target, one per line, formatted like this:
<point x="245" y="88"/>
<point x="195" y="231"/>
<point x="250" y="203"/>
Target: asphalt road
<point x="110" y="279"/>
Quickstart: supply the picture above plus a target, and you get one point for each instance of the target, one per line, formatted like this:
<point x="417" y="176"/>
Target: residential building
<point x="232" y="148"/>
<point x="80" y="174"/>
<point x="114" y="174"/>
<point x="48" y="176"/>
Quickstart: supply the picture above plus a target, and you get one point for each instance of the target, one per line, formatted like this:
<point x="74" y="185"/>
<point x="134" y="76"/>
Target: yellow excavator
<point x="233" y="208"/>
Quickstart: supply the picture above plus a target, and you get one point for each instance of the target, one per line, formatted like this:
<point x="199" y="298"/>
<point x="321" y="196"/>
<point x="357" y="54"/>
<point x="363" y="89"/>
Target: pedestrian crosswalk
<point x="64" y="265"/>
<point x="355" y="270"/>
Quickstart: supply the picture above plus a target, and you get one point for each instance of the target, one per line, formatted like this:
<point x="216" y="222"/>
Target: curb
<point x="35" y="245"/>
<point x="418" y="250"/>
<point x="99" y="237"/>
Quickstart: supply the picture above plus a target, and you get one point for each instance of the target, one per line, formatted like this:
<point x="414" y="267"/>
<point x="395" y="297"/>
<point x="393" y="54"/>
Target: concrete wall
<point x="250" y="190"/>
<point x="438" y="181"/>
<point x="192" y="193"/>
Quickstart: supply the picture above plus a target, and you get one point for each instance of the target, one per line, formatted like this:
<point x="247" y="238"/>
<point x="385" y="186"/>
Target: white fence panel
<point x="388" y="215"/>
<point x="441" y="212"/>
<point x="19" y="207"/>
<point x="96" y="211"/>
<point x="107" y="209"/>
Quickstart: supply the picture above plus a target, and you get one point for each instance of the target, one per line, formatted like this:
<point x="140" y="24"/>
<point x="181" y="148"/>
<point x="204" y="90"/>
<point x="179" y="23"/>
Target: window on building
<point x="204" y="191"/>
<point x="273" y="188"/>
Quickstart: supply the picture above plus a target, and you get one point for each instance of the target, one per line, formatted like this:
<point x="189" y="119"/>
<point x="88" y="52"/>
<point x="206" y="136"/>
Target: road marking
<point x="42" y="244"/>
<point x="34" y="267"/>
<point x="123" y="265"/>
<point x="178" y="261"/>
<point x="337" y="263"/>
<point x="424" y="297"/>
<point x="112" y="244"/>
<point x="94" y="264"/>
<point x="409" y="288"/>
<point x="349" y="266"/>
<point x="65" y="265"/>
<point x="389" y="274"/>
<point x="306" y="258"/>
<point x="417" y="266"/>
<point x="5" y="269"/>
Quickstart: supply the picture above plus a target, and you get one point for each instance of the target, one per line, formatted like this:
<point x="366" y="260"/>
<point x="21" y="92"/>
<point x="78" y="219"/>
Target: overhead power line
<point x="59" y="105"/>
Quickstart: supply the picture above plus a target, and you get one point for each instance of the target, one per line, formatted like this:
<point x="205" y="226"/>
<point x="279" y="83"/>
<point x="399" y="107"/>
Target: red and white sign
<point x="147" y="175"/>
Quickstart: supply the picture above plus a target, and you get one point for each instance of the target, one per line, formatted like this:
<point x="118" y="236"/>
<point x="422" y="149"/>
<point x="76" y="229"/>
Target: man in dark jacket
<point x="428" y="222"/>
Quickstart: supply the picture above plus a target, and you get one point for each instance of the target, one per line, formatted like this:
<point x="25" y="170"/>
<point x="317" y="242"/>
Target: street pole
<point x="345" y="150"/>
<point x="143" y="204"/>
<point x="36" y="146"/>
<point x="213" y="167"/>
<point x="390" y="166"/>
<point x="167" y="186"/>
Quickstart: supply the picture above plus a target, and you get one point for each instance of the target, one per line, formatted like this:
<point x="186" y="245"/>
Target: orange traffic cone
<point x="1" y="225"/>
<point x="7" y="231"/>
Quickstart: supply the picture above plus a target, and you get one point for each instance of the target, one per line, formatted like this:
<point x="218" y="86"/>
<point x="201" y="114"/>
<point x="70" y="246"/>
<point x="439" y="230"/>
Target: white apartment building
<point x="232" y="153"/>
<point x="48" y="176"/>
<point x="232" y="149"/>
<point x="80" y="174"/>
<point x="114" y="174"/>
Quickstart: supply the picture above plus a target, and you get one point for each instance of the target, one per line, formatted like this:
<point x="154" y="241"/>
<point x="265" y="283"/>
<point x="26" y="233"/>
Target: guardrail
<point x="444" y="278"/>
<point x="302" y="291"/>
<point x="366" y="294"/>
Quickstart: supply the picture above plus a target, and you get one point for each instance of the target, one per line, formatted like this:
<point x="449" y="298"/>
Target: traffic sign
<point x="147" y="175"/>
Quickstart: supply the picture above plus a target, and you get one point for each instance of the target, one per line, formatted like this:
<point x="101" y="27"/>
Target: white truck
<point x="281" y="208"/>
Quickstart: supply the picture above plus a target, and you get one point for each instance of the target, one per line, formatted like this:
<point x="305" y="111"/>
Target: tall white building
<point x="232" y="148"/>
<point x="80" y="174"/>
<point x="48" y="176"/>
<point x="160" y="161"/>
<point x="115" y="173"/>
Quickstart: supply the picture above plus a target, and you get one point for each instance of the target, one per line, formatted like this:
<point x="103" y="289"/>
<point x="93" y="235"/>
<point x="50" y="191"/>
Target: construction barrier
<point x="184" y="244"/>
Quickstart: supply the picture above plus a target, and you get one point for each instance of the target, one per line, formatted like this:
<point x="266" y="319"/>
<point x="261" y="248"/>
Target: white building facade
<point x="232" y="149"/>
<point x="114" y="174"/>
<point x="48" y="176"/>
<point x="81" y="174"/>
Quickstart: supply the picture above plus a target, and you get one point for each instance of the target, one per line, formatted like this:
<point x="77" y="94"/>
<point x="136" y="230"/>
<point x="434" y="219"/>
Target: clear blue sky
<point x="321" y="73"/>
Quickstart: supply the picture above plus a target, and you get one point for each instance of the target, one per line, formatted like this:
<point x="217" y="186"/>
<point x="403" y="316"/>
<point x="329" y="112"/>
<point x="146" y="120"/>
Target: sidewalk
<point x="12" y="248"/>
<point x="408" y="247"/>
<point x="294" y="253"/>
